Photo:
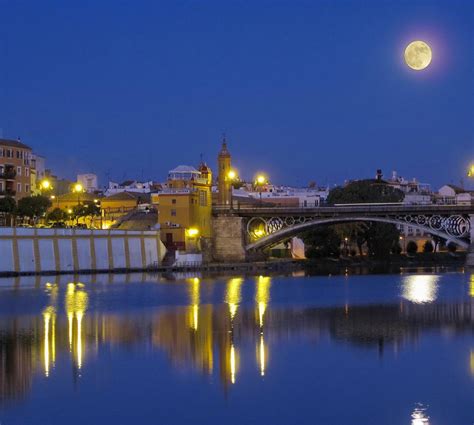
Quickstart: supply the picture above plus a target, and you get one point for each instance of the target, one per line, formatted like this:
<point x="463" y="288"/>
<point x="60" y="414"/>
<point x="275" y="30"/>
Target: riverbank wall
<point x="41" y="251"/>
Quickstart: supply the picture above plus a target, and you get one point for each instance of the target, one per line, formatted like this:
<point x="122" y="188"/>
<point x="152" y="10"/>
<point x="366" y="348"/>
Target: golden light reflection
<point x="262" y="355"/>
<point x="49" y="316"/>
<point x="76" y="303"/>
<point x="233" y="295"/>
<point x="232" y="364"/>
<point x="262" y="297"/>
<point x="471" y="286"/>
<point x="471" y="362"/>
<point x="195" y="300"/>
<point x="420" y="289"/>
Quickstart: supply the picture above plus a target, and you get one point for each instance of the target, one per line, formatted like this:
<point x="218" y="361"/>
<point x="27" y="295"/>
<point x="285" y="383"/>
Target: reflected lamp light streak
<point x="262" y="296"/>
<point x="420" y="289"/>
<point x="232" y="364"/>
<point x="233" y="295"/>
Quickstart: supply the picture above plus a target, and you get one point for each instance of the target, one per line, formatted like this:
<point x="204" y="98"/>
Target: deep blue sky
<point x="305" y="90"/>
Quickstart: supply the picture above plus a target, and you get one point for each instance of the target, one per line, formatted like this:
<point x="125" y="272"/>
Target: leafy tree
<point x="428" y="247"/>
<point x="412" y="247"/>
<point x="88" y="209"/>
<point x="7" y="205"/>
<point x="364" y="191"/>
<point x="381" y="238"/>
<point x="322" y="242"/>
<point x="396" y="249"/>
<point x="33" y="206"/>
<point x="452" y="247"/>
<point x="57" y="215"/>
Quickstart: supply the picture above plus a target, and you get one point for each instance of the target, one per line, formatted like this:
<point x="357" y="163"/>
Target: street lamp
<point x="78" y="188"/>
<point x="260" y="180"/>
<point x="193" y="233"/>
<point x="231" y="176"/>
<point x="470" y="172"/>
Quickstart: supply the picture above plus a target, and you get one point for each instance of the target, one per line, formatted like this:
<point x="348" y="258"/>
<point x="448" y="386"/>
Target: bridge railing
<point x="352" y="208"/>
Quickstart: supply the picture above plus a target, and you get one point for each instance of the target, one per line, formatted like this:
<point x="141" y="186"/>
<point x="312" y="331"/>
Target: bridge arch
<point x="278" y="236"/>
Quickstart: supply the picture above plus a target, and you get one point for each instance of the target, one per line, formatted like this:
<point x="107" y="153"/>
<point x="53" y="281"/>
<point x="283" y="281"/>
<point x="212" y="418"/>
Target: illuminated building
<point x="185" y="203"/>
<point x="15" y="169"/>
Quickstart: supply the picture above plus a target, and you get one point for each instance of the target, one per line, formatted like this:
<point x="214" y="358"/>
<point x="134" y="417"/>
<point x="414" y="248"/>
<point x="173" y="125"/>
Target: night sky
<point x="304" y="90"/>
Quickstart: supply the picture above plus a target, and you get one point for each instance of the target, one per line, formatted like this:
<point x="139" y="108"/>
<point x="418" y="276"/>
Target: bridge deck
<point x="265" y="211"/>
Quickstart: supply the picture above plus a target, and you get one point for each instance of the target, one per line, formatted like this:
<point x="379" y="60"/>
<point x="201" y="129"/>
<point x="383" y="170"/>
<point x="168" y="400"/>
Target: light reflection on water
<point x="229" y="329"/>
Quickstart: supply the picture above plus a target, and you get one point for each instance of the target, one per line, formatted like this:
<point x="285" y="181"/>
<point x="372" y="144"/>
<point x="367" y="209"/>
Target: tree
<point x="57" y="215"/>
<point x="33" y="206"/>
<point x="364" y="191"/>
<point x="88" y="209"/>
<point x="7" y="205"/>
<point x="412" y="247"/>
<point x="380" y="238"/>
<point x="452" y="247"/>
<point x="322" y="242"/>
<point x="428" y="247"/>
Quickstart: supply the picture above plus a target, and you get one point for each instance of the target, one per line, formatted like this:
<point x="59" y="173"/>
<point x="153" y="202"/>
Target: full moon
<point x="418" y="55"/>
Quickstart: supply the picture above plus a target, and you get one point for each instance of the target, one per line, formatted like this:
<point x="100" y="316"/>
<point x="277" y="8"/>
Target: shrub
<point x="412" y="247"/>
<point x="452" y="247"/>
<point x="428" y="247"/>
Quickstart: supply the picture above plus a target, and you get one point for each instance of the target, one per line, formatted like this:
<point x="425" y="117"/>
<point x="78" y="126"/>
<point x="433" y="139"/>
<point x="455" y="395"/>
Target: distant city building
<point x="451" y="194"/>
<point x="89" y="182"/>
<point x="15" y="169"/>
<point x="130" y="186"/>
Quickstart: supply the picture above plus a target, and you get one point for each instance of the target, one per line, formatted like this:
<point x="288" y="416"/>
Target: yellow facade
<point x="184" y="207"/>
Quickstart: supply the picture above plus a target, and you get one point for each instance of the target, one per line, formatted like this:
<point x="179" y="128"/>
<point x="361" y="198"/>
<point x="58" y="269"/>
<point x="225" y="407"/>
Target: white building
<point x="451" y="194"/>
<point x="89" y="182"/>
<point x="291" y="196"/>
<point x="129" y="186"/>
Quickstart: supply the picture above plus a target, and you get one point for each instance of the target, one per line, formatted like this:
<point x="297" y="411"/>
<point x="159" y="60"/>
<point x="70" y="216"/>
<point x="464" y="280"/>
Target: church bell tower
<point x="224" y="182"/>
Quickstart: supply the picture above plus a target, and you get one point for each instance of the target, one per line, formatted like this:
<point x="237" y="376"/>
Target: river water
<point x="180" y="349"/>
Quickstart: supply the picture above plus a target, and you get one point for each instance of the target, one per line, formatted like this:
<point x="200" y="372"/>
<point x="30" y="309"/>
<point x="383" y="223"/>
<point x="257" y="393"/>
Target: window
<point x="173" y="201"/>
<point x="1" y="187"/>
<point x="27" y="172"/>
<point x="202" y="198"/>
<point x="18" y="187"/>
<point x="18" y="171"/>
<point x="1" y="152"/>
<point x="173" y="213"/>
<point x="27" y="188"/>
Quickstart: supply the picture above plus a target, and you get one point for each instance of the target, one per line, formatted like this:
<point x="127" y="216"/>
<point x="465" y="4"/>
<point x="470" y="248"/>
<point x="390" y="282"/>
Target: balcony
<point x="8" y="174"/>
<point x="7" y="192"/>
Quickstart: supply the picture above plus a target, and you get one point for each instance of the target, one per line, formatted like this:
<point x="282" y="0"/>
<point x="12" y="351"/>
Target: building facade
<point x="15" y="169"/>
<point x="184" y="207"/>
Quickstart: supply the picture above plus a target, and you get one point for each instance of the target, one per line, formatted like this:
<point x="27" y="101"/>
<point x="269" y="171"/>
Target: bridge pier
<point x="470" y="253"/>
<point x="228" y="238"/>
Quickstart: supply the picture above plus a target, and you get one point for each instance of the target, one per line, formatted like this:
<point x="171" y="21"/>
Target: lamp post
<point x="231" y="177"/>
<point x="45" y="186"/>
<point x="193" y="233"/>
<point x="260" y="180"/>
<point x="470" y="171"/>
<point x="78" y="188"/>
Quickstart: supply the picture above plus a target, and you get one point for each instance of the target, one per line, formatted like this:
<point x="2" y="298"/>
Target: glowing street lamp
<point x="193" y="232"/>
<point x="260" y="180"/>
<point x="78" y="188"/>
<point x="232" y="175"/>
<point x="45" y="185"/>
<point x="470" y="172"/>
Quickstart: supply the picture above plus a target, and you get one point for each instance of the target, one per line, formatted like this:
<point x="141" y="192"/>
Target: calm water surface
<point x="140" y="349"/>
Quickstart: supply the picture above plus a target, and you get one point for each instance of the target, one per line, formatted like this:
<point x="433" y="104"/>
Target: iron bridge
<point x="267" y="226"/>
